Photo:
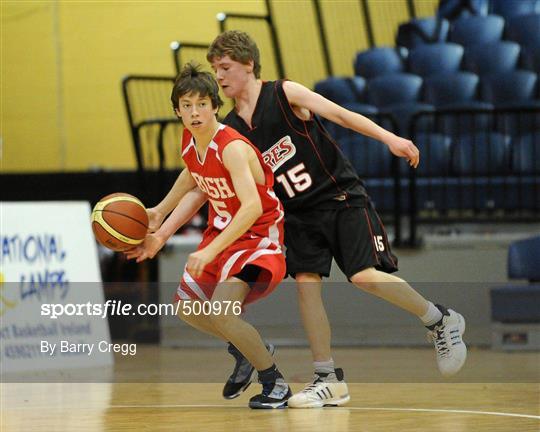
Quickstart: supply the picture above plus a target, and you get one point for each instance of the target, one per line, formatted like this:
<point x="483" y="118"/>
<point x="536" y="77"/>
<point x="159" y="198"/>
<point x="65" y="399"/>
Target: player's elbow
<point x="341" y="118"/>
<point x="253" y="208"/>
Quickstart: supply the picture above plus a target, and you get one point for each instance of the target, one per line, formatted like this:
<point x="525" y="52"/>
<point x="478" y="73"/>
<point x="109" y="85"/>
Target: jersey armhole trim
<point x="284" y="112"/>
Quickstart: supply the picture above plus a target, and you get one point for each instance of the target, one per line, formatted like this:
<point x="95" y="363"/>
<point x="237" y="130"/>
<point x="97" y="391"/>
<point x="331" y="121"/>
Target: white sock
<point x="324" y="367"/>
<point x="432" y="316"/>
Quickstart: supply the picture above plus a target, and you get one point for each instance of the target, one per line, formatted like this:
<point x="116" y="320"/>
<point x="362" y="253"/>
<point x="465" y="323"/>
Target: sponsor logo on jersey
<point x="215" y="187"/>
<point x="279" y="153"/>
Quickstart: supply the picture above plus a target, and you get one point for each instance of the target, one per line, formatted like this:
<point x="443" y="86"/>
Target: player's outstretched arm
<point x="236" y="160"/>
<point x="181" y="186"/>
<point x="302" y="97"/>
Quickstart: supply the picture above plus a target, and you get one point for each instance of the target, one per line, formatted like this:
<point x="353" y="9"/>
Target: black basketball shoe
<point x="274" y="394"/>
<point x="240" y="378"/>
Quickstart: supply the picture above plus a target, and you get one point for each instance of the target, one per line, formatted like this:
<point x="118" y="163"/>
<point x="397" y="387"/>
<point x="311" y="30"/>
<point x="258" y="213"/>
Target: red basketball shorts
<point x="248" y="249"/>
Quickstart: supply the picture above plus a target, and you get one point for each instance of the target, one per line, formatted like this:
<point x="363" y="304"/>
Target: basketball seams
<point x="107" y="240"/>
<point x="98" y="218"/>
<point x="123" y="214"/>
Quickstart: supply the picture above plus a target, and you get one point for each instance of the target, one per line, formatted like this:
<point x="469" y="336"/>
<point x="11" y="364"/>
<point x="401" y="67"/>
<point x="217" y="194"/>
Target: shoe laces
<point x="312" y="386"/>
<point x="438" y="337"/>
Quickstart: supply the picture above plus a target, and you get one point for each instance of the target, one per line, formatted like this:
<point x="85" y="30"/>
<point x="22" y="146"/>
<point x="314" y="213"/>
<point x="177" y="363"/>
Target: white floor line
<point x="451" y="411"/>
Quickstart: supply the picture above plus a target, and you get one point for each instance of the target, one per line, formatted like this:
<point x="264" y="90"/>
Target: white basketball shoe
<point x="325" y="390"/>
<point x="450" y="349"/>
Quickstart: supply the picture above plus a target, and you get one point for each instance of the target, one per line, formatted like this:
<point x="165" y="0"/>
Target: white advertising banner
<point x="49" y="263"/>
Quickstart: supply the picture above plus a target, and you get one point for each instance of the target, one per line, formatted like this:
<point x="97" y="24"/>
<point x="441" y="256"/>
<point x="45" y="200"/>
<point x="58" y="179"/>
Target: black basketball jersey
<point x="310" y="169"/>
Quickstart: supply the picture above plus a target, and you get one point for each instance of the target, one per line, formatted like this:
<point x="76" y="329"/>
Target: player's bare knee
<point x="179" y="311"/>
<point x="182" y="315"/>
<point x="308" y="291"/>
<point x="307" y="278"/>
<point x="366" y="280"/>
<point x="222" y="322"/>
<point x="307" y="284"/>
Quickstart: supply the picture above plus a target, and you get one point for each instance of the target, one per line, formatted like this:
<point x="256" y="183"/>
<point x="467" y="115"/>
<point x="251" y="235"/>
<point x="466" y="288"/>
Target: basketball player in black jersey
<point x="328" y="213"/>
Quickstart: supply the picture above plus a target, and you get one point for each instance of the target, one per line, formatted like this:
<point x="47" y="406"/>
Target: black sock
<point x="269" y="375"/>
<point x="444" y="312"/>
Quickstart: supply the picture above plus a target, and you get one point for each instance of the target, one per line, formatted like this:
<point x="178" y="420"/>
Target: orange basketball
<point x="119" y="221"/>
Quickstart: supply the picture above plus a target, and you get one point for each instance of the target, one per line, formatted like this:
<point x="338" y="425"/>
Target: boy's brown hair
<point x="238" y="46"/>
<point x="192" y="80"/>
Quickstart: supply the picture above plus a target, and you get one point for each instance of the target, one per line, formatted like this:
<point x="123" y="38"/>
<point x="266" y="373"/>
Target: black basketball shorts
<point x="355" y="237"/>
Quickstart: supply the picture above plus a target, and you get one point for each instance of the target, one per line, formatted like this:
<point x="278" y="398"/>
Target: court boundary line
<point x="432" y="410"/>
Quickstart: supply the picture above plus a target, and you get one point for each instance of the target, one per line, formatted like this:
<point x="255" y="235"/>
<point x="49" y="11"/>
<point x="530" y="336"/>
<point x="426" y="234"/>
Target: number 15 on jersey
<point x="295" y="180"/>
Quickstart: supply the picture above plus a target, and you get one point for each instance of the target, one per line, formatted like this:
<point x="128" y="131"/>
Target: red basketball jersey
<point x="215" y="181"/>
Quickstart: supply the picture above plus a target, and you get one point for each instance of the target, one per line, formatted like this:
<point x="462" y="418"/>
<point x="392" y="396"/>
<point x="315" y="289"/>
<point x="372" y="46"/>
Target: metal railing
<point x="147" y="102"/>
<point x="178" y="51"/>
<point x="224" y="18"/>
<point x="155" y="129"/>
<point x="489" y="172"/>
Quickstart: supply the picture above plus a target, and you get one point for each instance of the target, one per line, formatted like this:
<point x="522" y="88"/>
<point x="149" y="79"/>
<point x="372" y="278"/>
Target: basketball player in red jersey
<point x="239" y="258"/>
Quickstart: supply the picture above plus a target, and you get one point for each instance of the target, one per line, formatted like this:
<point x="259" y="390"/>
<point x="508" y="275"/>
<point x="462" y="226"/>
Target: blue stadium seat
<point x="531" y="58"/>
<point x="509" y="89"/>
<point x="378" y="61"/>
<point x="519" y="303"/>
<point x="435" y="59"/>
<point x="484" y="193"/>
<point x="473" y="30"/>
<point x="450" y="89"/>
<point x="420" y="31"/>
<point x="347" y="92"/>
<point x="391" y="89"/>
<point x="455" y="9"/>
<point x="368" y="156"/>
<point x="481" y="153"/>
<point x="522" y="192"/>
<point x="456" y="91"/>
<point x="523" y="186"/>
<point x="373" y="163"/>
<point x="342" y="89"/>
<point x="432" y="172"/>
<point x="398" y="94"/>
<point x="492" y="58"/>
<point x="434" y="154"/>
<point x="513" y="90"/>
<point x="526" y="153"/>
<point x="436" y="193"/>
<point x="523" y="259"/>
<point x="480" y="162"/>
<point x="510" y="8"/>
<point x="524" y="29"/>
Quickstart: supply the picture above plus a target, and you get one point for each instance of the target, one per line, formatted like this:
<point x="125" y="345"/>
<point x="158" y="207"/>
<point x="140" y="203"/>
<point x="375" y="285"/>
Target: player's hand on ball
<point x="198" y="260"/>
<point x="151" y="245"/>
<point x="155" y="219"/>
<point x="404" y="148"/>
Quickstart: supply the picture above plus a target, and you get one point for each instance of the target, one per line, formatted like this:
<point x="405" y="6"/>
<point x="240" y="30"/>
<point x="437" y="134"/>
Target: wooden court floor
<point x="391" y="390"/>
